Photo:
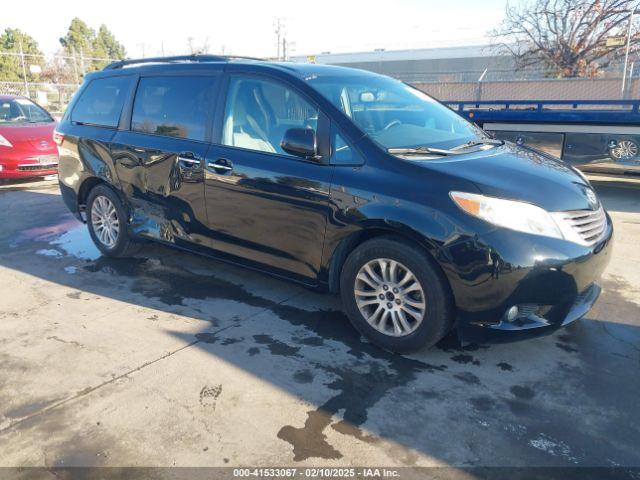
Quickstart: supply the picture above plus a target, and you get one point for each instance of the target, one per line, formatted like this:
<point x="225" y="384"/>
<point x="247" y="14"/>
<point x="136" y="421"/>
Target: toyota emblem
<point x="591" y="198"/>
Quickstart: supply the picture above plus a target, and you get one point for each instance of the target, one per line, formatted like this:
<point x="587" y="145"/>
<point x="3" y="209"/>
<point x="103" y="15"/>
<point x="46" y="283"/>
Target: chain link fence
<point x="524" y="84"/>
<point x="50" y="80"/>
<point x="601" y="88"/>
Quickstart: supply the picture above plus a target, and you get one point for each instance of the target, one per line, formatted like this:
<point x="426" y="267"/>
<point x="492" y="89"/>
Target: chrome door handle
<point x="191" y="162"/>
<point x="217" y="166"/>
<point x="220" y="166"/>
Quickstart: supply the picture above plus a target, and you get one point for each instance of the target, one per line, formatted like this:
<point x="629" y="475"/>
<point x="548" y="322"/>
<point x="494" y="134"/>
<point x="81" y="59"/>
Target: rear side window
<point x="101" y="102"/>
<point x="174" y="106"/>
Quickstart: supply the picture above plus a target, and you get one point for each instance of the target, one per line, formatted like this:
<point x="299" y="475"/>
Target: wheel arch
<point x="85" y="187"/>
<point x="398" y="232"/>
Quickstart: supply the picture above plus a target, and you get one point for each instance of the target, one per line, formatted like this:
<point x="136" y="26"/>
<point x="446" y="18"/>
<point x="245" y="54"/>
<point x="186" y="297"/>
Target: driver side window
<point x="259" y="112"/>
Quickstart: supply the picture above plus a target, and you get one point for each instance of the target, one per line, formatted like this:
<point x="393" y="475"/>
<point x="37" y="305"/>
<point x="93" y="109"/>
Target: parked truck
<point x="597" y="136"/>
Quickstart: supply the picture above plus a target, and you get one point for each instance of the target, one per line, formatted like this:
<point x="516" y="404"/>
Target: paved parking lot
<point x="174" y="359"/>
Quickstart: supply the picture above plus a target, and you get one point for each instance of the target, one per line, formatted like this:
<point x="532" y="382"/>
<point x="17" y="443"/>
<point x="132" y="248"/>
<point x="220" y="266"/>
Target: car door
<point x="160" y="160"/>
<point x="264" y="205"/>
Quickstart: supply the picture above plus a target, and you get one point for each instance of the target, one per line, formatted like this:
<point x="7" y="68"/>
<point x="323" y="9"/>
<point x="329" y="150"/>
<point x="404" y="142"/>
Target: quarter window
<point x="173" y="106"/>
<point x="101" y="102"/>
<point x="343" y="152"/>
<point x="259" y="112"/>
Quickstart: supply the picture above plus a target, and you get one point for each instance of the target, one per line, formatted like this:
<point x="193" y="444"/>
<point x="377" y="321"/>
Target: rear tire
<point x="396" y="295"/>
<point x="624" y="150"/>
<point x="107" y="222"/>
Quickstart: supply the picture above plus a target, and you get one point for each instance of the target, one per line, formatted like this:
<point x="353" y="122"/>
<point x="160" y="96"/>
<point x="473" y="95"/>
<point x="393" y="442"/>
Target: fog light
<point x="1" y="167"/>
<point x="512" y="313"/>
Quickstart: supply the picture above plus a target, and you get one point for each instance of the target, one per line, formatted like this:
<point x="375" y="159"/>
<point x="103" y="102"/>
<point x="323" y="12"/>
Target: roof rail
<point x="177" y="58"/>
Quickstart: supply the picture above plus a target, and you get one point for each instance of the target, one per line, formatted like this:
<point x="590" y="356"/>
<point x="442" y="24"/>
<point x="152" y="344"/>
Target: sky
<point x="246" y="27"/>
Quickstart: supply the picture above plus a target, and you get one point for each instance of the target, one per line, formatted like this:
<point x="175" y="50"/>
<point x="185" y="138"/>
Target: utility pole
<point x="626" y="55"/>
<point x="279" y="31"/>
<point x="284" y="49"/>
<point x="24" y="70"/>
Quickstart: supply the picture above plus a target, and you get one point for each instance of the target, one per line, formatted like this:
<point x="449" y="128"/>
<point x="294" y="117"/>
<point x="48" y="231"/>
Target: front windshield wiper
<point x="475" y="143"/>
<point x="420" y="151"/>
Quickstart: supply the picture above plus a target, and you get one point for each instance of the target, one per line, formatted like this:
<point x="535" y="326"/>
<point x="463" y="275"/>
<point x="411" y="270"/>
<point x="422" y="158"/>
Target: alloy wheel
<point x="390" y="297"/>
<point x="105" y="222"/>
<point x="624" y="150"/>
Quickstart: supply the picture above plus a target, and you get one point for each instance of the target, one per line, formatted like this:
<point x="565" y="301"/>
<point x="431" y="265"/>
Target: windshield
<point x="16" y="111"/>
<point x="394" y="114"/>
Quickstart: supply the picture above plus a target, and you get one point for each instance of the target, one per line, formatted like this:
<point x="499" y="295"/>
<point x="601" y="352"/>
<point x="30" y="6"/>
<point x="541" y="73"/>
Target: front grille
<point x="25" y="168"/>
<point x="44" y="162"/>
<point x="584" y="226"/>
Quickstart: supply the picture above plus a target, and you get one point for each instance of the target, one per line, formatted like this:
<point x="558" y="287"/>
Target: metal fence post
<point x="24" y="71"/>
<point x="629" y="87"/>
<point x="82" y="68"/>
<point x="479" y="85"/>
<point x="626" y="55"/>
<point x="75" y="65"/>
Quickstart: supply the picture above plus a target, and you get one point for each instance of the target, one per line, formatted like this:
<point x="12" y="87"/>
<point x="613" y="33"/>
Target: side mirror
<point x="300" y="142"/>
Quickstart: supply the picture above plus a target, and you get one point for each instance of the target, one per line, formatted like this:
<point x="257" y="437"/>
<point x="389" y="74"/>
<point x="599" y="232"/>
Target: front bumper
<point x="29" y="166"/>
<point x="553" y="282"/>
<point x="35" y="172"/>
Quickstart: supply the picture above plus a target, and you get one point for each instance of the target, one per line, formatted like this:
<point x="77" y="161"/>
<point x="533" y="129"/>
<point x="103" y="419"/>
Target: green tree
<point x="79" y="38"/>
<point x="83" y="41"/>
<point x="11" y="65"/>
<point x="105" y="45"/>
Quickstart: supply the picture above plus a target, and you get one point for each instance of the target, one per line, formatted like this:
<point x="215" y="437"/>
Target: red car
<point x="27" y="148"/>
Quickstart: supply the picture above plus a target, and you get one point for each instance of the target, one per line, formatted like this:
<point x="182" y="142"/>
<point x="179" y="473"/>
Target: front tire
<point x="395" y="295"/>
<point x="107" y="222"/>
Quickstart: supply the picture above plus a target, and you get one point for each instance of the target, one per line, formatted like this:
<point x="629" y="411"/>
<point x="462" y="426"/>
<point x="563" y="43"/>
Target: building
<point x="461" y="64"/>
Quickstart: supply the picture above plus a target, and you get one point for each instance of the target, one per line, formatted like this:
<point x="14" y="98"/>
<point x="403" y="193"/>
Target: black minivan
<point x="338" y="179"/>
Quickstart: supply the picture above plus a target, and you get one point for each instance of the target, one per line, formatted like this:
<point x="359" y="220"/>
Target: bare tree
<point x="195" y="48"/>
<point x="567" y="37"/>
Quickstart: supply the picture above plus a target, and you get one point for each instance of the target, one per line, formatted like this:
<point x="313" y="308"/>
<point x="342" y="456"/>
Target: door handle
<point x="220" y="166"/>
<point x="188" y="162"/>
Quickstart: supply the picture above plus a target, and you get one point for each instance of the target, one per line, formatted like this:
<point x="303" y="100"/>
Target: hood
<point x="517" y="173"/>
<point x="37" y="135"/>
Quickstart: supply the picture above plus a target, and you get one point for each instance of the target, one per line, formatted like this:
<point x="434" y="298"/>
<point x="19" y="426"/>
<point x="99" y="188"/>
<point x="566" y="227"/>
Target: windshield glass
<point x="394" y="114"/>
<point x="20" y="110"/>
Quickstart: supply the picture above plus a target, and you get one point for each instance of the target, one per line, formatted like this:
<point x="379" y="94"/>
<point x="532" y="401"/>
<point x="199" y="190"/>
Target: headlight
<point x="519" y="216"/>
<point x="4" y="142"/>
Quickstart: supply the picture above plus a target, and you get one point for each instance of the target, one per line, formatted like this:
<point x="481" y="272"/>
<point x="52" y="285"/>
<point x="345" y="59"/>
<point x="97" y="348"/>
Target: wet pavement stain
<point x="310" y="341"/>
<point x="451" y="344"/>
<point x="465" y="359"/>
<point x="468" y="377"/>
<point x="172" y="285"/>
<point x="567" y="348"/>
<point x="505" y="367"/>
<point x="523" y="393"/>
<point x="308" y="446"/>
<point x="518" y="407"/>
<point x="206" y="337"/>
<point x="483" y="403"/>
<point x="276" y="347"/>
<point x="303" y="376"/>
<point x="363" y="381"/>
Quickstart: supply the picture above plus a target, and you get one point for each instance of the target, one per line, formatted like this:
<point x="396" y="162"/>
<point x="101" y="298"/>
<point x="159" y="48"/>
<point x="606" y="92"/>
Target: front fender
<point x="428" y="227"/>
